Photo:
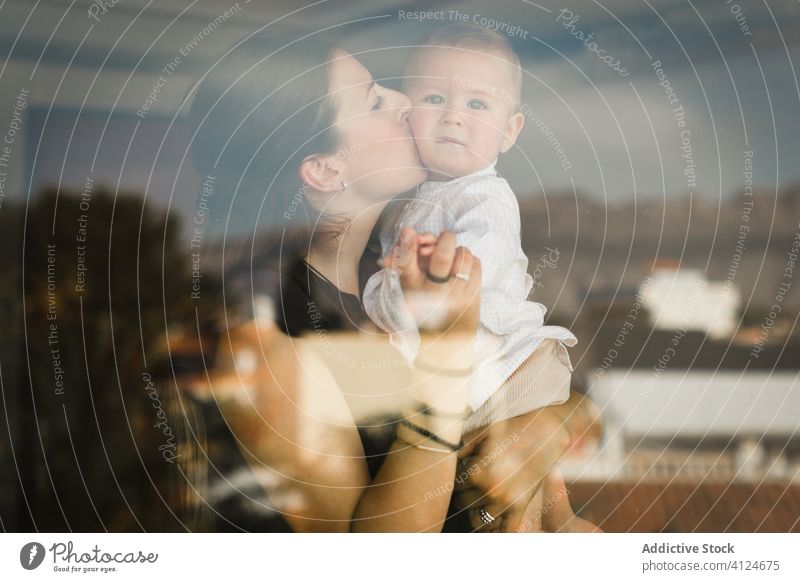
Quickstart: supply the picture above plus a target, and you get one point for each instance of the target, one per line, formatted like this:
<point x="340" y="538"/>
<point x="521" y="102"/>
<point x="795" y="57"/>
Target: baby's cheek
<point x="420" y="136"/>
<point x="417" y="122"/>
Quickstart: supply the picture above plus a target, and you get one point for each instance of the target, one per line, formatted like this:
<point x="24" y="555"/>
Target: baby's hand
<point x="426" y="242"/>
<point x="421" y="244"/>
<point x="403" y="256"/>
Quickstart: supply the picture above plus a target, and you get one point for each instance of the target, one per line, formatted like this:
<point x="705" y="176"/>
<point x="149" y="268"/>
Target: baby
<point x="464" y="83"/>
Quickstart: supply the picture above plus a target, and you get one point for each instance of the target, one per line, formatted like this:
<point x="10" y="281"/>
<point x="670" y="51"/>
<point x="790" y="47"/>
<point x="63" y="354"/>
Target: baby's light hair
<point x="477" y="38"/>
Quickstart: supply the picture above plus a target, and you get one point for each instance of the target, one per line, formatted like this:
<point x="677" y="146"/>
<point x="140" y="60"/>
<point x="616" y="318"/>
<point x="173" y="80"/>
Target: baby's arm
<point x="490" y="228"/>
<point x="385" y="305"/>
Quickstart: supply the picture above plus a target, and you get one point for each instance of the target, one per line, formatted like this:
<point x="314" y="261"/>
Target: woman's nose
<point x="402" y="104"/>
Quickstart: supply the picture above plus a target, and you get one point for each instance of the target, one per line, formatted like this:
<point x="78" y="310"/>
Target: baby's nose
<point x="451" y="117"/>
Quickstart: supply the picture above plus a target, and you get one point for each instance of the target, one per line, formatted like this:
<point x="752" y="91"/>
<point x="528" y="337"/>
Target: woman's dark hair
<point x="258" y="112"/>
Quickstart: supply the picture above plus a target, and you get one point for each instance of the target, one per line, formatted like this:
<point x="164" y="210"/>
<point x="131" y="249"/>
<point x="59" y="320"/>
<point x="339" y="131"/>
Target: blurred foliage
<point x="92" y="457"/>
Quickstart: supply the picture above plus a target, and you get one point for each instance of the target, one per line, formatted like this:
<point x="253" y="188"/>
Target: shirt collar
<point x="432" y="186"/>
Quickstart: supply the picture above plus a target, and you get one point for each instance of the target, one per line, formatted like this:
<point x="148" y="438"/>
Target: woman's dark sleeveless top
<point x="309" y="303"/>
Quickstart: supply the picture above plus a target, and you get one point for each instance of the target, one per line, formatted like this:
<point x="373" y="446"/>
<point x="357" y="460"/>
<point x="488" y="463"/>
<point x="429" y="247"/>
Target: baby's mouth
<point x="450" y="140"/>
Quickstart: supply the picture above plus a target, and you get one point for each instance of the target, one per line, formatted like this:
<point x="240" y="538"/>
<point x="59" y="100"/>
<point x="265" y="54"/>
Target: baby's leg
<point x="532" y="520"/>
<point x="584" y="423"/>
<point x="541" y="380"/>
<point x="557" y="514"/>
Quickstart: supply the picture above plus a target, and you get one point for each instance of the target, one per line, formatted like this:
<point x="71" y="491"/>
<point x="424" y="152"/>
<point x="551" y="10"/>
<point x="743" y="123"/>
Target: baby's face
<point x="464" y="111"/>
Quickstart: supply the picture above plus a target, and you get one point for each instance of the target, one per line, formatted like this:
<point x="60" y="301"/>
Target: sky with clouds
<point x="732" y="66"/>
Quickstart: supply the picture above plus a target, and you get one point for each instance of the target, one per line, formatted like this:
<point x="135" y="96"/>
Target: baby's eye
<point x="477" y="104"/>
<point x="378" y="103"/>
<point x="434" y="99"/>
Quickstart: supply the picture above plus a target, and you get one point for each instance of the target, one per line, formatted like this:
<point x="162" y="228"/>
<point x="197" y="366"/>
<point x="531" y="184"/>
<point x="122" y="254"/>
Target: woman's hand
<point x="441" y="289"/>
<point x="505" y="465"/>
<point x="441" y="283"/>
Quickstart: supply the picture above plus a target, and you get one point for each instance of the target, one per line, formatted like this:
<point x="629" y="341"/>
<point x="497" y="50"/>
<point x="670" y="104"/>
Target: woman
<point x="301" y="142"/>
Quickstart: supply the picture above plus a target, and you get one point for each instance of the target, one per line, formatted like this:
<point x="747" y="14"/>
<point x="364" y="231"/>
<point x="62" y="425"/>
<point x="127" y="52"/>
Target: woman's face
<point x="378" y="154"/>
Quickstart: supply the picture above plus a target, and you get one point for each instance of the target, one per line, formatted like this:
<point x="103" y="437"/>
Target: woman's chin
<point x="408" y="180"/>
<point x="422" y="170"/>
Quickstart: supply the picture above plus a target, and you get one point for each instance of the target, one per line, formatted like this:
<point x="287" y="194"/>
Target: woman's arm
<point x="296" y="431"/>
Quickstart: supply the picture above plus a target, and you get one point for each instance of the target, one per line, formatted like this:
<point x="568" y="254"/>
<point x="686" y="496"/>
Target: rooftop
<point x="685" y="507"/>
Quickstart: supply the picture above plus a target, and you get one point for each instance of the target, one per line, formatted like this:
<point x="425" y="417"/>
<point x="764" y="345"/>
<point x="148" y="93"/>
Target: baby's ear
<point x="513" y="127"/>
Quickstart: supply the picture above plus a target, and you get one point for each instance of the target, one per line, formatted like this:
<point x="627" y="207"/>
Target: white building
<point x="642" y="406"/>
<point x="685" y="299"/>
